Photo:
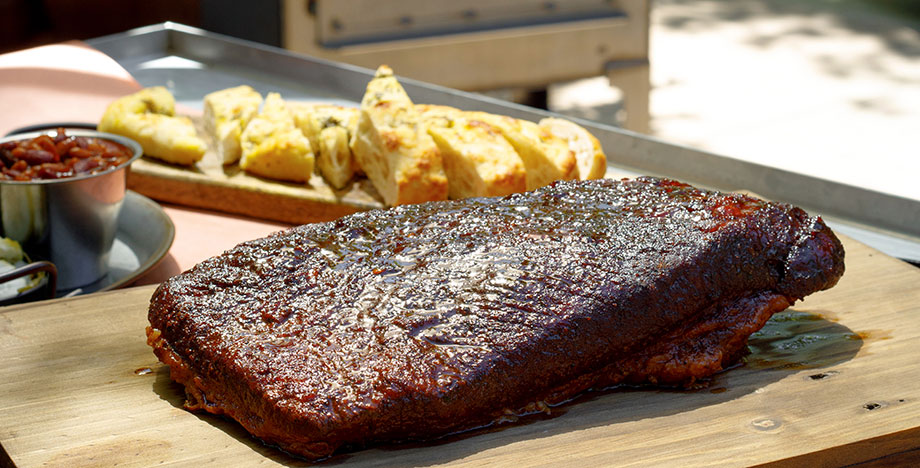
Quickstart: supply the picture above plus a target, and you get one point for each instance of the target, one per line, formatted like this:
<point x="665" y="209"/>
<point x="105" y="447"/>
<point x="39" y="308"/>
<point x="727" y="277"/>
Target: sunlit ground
<point x="827" y="88"/>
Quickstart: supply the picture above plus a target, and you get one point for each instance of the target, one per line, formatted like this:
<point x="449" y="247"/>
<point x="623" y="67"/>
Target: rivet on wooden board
<point x="821" y="375"/>
<point x="874" y="405"/>
<point x="766" y="424"/>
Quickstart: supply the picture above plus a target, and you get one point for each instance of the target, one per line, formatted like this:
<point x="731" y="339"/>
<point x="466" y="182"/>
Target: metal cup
<point x="71" y="221"/>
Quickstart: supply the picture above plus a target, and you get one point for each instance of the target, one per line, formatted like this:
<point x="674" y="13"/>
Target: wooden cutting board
<point x="211" y="185"/>
<point x="832" y="381"/>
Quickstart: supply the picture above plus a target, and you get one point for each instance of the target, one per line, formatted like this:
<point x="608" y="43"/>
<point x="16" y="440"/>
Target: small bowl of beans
<point x="61" y="193"/>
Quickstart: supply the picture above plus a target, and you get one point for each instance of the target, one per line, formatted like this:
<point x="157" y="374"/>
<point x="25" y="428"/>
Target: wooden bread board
<point x="842" y="389"/>
<point x="211" y="185"/>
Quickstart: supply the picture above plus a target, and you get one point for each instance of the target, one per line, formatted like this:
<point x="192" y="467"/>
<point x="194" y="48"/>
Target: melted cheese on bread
<point x="226" y="114"/>
<point x="590" y="159"/>
<point x="393" y="147"/>
<point x="148" y="117"/>
<point x="478" y="161"/>
<point x="273" y="147"/>
<point x="329" y="129"/>
<point x="547" y="158"/>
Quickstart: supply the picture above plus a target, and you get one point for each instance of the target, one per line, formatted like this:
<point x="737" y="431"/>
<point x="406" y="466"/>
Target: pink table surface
<point x="68" y="82"/>
<point x="202" y="234"/>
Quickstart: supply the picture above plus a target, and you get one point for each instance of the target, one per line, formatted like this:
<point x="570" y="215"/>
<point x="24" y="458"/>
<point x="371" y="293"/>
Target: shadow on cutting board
<point x="792" y="341"/>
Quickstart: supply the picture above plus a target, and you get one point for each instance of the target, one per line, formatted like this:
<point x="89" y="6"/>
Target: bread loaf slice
<point x="226" y="114"/>
<point x="273" y="147"/>
<point x="546" y="158"/>
<point x="478" y="161"/>
<point x="590" y="159"/>
<point x="329" y="128"/>
<point x="148" y="117"/>
<point x="392" y="146"/>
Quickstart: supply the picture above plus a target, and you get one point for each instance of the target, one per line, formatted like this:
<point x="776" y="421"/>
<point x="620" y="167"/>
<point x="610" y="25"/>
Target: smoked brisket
<point x="424" y="320"/>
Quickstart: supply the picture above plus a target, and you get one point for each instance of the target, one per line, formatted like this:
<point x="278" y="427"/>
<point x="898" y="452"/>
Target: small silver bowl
<point x="71" y="221"/>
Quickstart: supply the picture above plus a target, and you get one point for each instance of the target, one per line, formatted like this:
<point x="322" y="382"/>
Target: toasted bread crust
<point x="226" y="114"/>
<point x="590" y="160"/>
<point x="546" y="158"/>
<point x="478" y="161"/>
<point x="393" y="147"/>
<point x="148" y="117"/>
<point x="274" y="147"/>
<point x="329" y="129"/>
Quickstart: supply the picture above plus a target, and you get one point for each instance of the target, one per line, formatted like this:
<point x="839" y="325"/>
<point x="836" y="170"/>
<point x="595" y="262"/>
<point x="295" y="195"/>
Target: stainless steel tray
<point x="192" y="62"/>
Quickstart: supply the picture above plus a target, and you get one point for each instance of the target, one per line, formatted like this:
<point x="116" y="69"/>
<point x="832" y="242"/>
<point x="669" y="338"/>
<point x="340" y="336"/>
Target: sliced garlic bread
<point x="393" y="147"/>
<point x="546" y="157"/>
<point x="273" y="147"/>
<point x="590" y="159"/>
<point x="148" y="117"/>
<point x="226" y="114"/>
<point x="335" y="162"/>
<point x="434" y="115"/>
<point x="478" y="161"/>
<point x="329" y="129"/>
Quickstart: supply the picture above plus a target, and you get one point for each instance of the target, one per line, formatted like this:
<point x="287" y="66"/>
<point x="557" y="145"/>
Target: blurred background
<point x="823" y="87"/>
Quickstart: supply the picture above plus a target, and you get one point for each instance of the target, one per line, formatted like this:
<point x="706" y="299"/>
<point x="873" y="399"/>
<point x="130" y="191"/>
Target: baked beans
<point x="60" y="156"/>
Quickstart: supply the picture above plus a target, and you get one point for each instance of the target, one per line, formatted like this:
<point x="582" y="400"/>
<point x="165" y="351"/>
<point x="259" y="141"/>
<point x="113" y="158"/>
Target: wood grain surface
<point x="832" y="381"/>
<point x="211" y="185"/>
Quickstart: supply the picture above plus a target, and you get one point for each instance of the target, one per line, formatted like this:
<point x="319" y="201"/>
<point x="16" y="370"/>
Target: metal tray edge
<point x="891" y="220"/>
